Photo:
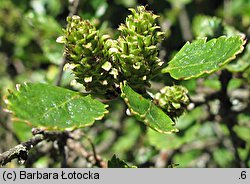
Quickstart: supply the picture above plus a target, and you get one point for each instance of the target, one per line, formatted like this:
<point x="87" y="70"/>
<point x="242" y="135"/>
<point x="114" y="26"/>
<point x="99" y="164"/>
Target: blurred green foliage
<point x="29" y="52"/>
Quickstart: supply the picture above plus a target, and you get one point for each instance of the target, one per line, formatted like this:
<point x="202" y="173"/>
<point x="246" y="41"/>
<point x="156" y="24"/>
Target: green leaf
<point x="146" y="111"/>
<point x="243" y="132"/>
<point x="223" y="157"/>
<point x="52" y="107"/>
<point x="201" y="57"/>
<point x="207" y="26"/>
<point x="22" y="130"/>
<point x="47" y="30"/>
<point x="115" y="162"/>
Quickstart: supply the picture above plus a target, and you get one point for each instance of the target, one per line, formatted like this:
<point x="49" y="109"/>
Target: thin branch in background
<point x="76" y="146"/>
<point x="162" y="158"/>
<point x="4" y="122"/>
<point x="226" y="10"/>
<point x="185" y="24"/>
<point x="73" y="6"/>
<point x="60" y="75"/>
<point x="62" y="145"/>
<point x="228" y="117"/>
<point x="21" y="151"/>
<point x="3" y="125"/>
<point x="98" y="160"/>
<point x="93" y="149"/>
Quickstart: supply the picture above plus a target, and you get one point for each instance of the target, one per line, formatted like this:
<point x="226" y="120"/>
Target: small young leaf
<point x="201" y="57"/>
<point x="115" y="162"/>
<point x="52" y="107"/>
<point x="146" y="111"/>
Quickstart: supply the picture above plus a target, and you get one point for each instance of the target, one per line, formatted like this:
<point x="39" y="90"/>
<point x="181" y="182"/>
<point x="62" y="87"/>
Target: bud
<point x="173" y="100"/>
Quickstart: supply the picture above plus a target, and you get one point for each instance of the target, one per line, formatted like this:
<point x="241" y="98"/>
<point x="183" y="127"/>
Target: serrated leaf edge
<point x="143" y="116"/>
<point x="16" y="119"/>
<point x="166" y="69"/>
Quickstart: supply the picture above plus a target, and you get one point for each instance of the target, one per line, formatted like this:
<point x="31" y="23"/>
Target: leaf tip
<point x="164" y="70"/>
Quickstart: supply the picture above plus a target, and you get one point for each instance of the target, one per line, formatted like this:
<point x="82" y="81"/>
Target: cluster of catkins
<point x="101" y="63"/>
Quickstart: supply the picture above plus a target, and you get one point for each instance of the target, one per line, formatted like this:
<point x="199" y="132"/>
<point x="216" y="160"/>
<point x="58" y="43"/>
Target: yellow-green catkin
<point x="173" y="100"/>
<point x="137" y="52"/>
<point x="87" y="51"/>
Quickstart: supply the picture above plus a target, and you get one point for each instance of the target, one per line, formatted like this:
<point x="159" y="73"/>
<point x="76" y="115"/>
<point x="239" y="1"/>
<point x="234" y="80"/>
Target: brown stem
<point x="62" y="143"/>
<point x="98" y="160"/>
<point x="21" y="150"/>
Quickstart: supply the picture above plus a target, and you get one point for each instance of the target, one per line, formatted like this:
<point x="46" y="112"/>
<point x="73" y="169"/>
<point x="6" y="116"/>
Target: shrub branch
<point x="21" y="151"/>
